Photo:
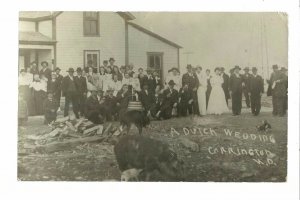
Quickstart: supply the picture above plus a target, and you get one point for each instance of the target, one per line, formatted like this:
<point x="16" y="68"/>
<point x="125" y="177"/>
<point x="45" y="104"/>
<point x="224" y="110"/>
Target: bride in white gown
<point x="217" y="102"/>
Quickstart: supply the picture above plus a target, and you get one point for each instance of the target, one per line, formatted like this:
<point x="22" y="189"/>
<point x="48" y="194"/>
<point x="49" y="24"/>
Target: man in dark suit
<point x="256" y="89"/>
<point x="208" y="90"/>
<point x="191" y="80"/>
<point x="45" y="71"/>
<point x="279" y="90"/>
<point x="246" y="86"/>
<point x="142" y="78"/>
<point x="82" y="90"/>
<point x="170" y="99"/>
<point x="235" y="86"/>
<point x="59" y="79"/>
<point x="185" y="101"/>
<point x="147" y="98"/>
<point x="225" y="84"/>
<point x="70" y="91"/>
<point x="150" y="81"/>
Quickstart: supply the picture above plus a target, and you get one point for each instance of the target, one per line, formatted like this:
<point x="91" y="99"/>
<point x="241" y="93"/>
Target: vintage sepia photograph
<point x="152" y="96"/>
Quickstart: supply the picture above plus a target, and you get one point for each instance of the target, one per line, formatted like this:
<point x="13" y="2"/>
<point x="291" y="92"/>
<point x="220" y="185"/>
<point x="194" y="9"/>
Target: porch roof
<point x="30" y="37"/>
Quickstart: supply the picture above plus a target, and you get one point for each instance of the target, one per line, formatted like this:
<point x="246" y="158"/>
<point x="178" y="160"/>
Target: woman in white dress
<point x="201" y="91"/>
<point x="217" y="102"/>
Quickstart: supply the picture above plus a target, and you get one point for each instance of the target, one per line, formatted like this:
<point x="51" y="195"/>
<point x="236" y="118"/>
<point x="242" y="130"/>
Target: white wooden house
<point x="71" y="39"/>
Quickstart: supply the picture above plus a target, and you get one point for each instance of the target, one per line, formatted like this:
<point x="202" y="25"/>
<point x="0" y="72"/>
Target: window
<point x="92" y="58"/>
<point x="91" y="23"/>
<point x="155" y="61"/>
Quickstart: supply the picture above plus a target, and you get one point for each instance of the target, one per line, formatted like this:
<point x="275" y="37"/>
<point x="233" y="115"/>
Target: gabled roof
<point x="140" y="28"/>
<point x="31" y="37"/>
<point x="36" y="16"/>
<point x="126" y="15"/>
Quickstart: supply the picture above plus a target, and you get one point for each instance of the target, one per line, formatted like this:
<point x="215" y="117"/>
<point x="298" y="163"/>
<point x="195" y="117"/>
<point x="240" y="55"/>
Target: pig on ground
<point x="138" y="118"/>
<point x="150" y="155"/>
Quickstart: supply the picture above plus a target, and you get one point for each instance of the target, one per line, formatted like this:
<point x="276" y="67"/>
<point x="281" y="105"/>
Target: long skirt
<point x="201" y="94"/>
<point x="217" y="102"/>
<point x="38" y="99"/>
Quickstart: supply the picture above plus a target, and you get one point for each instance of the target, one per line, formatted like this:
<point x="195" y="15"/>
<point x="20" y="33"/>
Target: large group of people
<point x="104" y="92"/>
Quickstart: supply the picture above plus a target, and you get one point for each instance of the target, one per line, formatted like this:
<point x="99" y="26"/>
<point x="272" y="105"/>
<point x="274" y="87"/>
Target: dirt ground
<point x="246" y="155"/>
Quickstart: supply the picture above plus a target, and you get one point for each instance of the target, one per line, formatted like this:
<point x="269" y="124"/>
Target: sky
<point x="223" y="39"/>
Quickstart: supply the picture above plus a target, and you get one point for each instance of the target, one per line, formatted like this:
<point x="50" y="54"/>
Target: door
<point x="155" y="63"/>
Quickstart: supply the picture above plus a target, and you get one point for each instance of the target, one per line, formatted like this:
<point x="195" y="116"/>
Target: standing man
<point x="82" y="90"/>
<point x="150" y="81"/>
<point x="225" y="84"/>
<point x="246" y="86"/>
<point x="208" y="90"/>
<point x="190" y="79"/>
<point x="105" y="65"/>
<point x="111" y="63"/>
<point x="235" y="85"/>
<point x="70" y="91"/>
<point x="46" y="72"/>
<point x="256" y="89"/>
<point x="147" y="98"/>
<point x="279" y="91"/>
<point x="59" y="79"/>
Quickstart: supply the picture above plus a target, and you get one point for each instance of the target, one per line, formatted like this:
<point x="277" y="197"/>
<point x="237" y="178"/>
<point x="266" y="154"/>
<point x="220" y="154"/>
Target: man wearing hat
<point x="34" y="68"/>
<point x="94" y="109"/>
<point x="235" y="87"/>
<point x="111" y="63"/>
<point x="278" y="90"/>
<point x="174" y="75"/>
<point x="45" y="71"/>
<point x="170" y="99"/>
<point x="82" y="90"/>
<point x="70" y="91"/>
<point x="225" y="84"/>
<point x="256" y="89"/>
<point x="246" y="85"/>
<point x="190" y="80"/>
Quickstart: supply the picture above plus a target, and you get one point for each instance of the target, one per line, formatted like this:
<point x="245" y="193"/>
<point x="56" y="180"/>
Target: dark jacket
<point x="151" y="83"/>
<point x="47" y="73"/>
<point x="170" y="98"/>
<point x="81" y="84"/>
<point x="190" y="80"/>
<point x="225" y="85"/>
<point x="280" y="89"/>
<point x="256" y="85"/>
<point x="143" y="81"/>
<point x="49" y="105"/>
<point x="55" y="88"/>
<point x="246" y="80"/>
<point x="146" y="99"/>
<point x="235" y="83"/>
<point x="91" y="105"/>
<point x="68" y="86"/>
<point x="184" y="96"/>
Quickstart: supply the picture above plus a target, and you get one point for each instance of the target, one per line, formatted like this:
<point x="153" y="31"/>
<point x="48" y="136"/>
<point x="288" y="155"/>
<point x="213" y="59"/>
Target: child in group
<point x="50" y="107"/>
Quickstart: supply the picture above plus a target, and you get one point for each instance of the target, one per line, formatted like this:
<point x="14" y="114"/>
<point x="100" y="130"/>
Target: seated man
<point x="50" y="107"/>
<point x="94" y="109"/>
<point x="112" y="106"/>
<point x="146" y="97"/>
<point x="185" y="101"/>
<point x="170" y="99"/>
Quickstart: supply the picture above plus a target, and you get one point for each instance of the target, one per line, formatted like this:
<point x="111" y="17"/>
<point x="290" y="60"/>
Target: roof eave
<point x="154" y="35"/>
<point x="127" y="16"/>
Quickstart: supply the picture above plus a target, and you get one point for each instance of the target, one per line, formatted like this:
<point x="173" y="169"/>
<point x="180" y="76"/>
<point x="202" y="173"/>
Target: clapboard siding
<point x="141" y="43"/>
<point x="26" y="26"/>
<point x="45" y="27"/>
<point x="72" y="43"/>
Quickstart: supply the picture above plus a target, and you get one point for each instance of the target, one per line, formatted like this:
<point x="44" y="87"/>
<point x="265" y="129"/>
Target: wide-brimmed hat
<point x="70" y="69"/>
<point x="275" y="66"/>
<point x="237" y="67"/>
<point x="172" y="69"/>
<point x="105" y="61"/>
<point x="111" y="59"/>
<point x="254" y="69"/>
<point x="189" y="66"/>
<point x="44" y="63"/>
<point x="171" y="82"/>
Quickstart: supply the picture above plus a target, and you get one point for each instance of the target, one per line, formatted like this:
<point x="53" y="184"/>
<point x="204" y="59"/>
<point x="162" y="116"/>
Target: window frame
<point x="84" y="19"/>
<point x="86" y="52"/>
<point x="161" y="54"/>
